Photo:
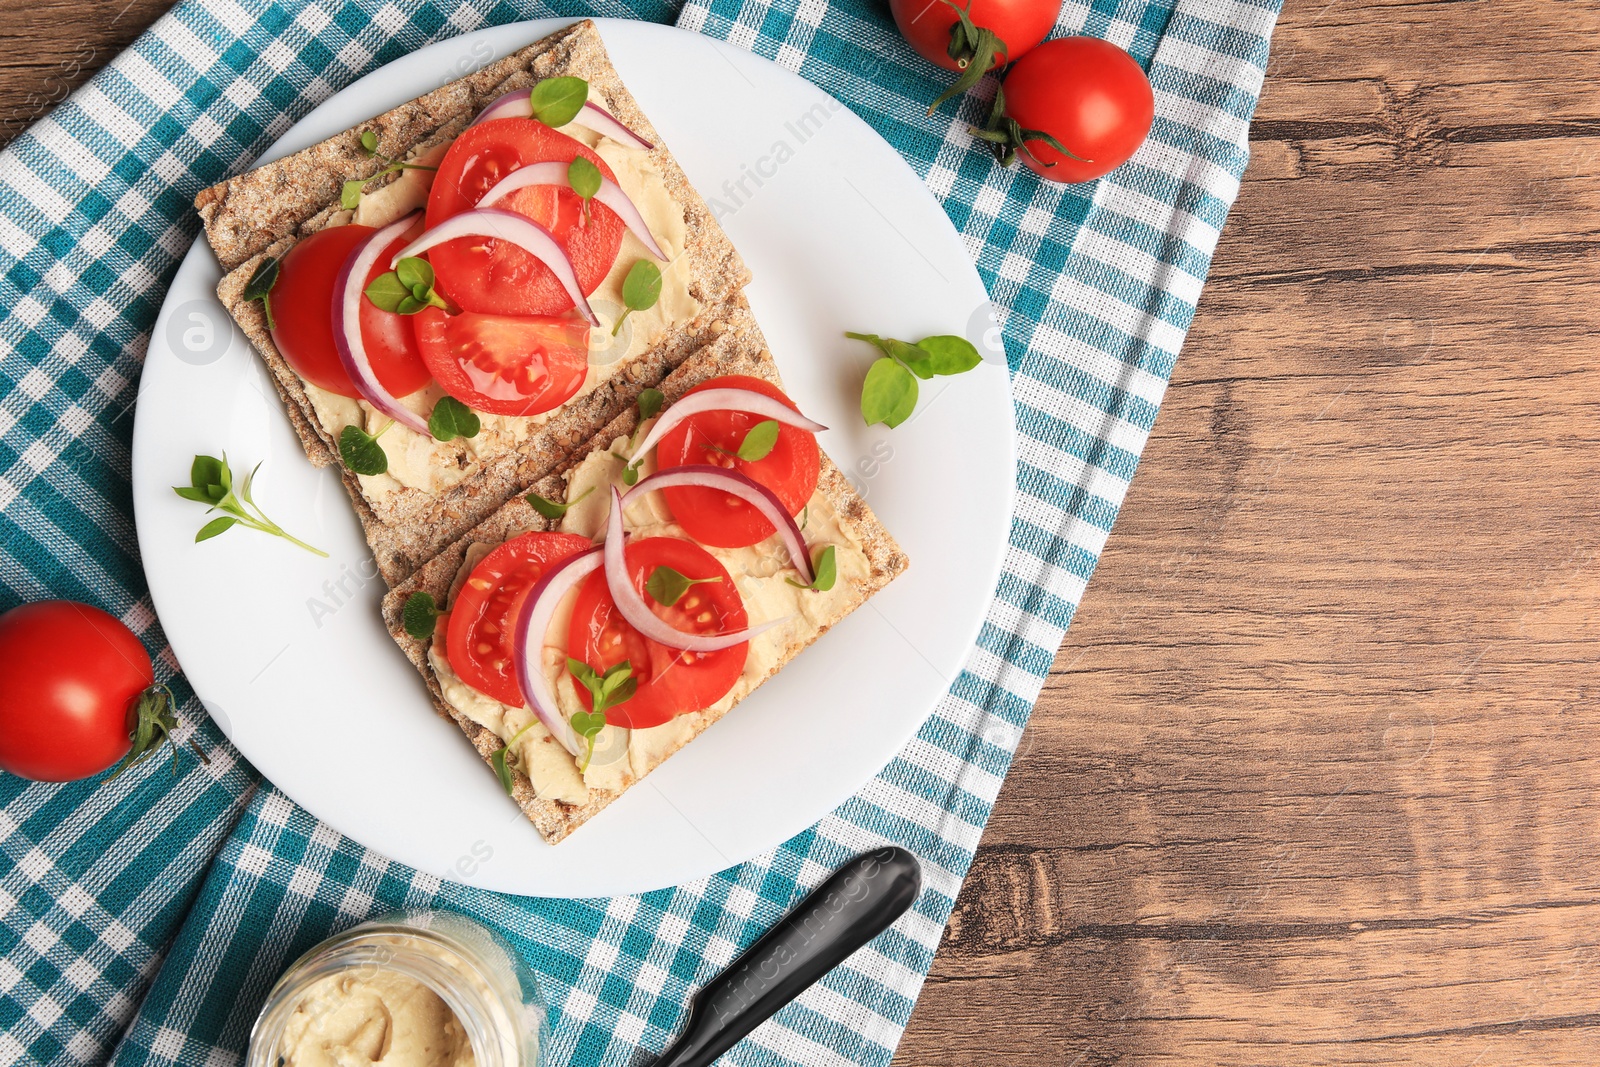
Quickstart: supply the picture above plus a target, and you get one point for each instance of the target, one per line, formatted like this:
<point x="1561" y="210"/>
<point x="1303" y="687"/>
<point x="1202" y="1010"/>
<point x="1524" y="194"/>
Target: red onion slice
<point x="631" y="603"/>
<point x="745" y="488"/>
<point x="605" y="123"/>
<point x="347" y="290"/>
<point x="533" y="621"/>
<point x="724" y="400"/>
<point x="519" y="230"/>
<point x="610" y="194"/>
<point x="516" y="104"/>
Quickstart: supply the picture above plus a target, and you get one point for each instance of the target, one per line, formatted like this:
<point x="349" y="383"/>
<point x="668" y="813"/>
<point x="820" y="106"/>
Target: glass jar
<point x="477" y="974"/>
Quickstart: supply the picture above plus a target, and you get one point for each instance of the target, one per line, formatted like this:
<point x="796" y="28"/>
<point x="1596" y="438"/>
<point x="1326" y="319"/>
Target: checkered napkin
<point x="225" y="879"/>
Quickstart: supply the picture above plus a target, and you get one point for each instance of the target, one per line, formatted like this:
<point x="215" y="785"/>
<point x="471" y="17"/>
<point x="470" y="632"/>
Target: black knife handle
<point x="856" y="904"/>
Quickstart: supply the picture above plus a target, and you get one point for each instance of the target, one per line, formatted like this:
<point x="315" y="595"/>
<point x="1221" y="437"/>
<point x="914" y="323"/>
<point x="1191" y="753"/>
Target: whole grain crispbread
<point x="262" y="213"/>
<point x="731" y="353"/>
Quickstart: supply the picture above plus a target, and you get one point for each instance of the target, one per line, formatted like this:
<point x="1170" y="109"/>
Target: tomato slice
<point x="671" y="682"/>
<point x="302" y="307"/>
<point x="790" y="470"/>
<point x="482" y="274"/>
<point x="479" y="642"/>
<point x="504" y="364"/>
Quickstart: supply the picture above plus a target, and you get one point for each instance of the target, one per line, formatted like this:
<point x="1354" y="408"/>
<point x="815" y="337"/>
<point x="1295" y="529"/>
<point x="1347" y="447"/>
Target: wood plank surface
<point x="1313" y="779"/>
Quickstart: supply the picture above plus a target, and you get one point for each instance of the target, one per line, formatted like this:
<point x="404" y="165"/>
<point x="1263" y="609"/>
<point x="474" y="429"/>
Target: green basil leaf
<point x="451" y="419"/>
<point x="920" y="362"/>
<point x="409" y="305"/>
<point x="586" y="675"/>
<point x="948" y="354"/>
<point x="642" y="287"/>
<point x="623" y="692"/>
<point x="557" y="101"/>
<point x="889" y="395"/>
<point x="759" y="442"/>
<point x="419" y="615"/>
<point x="588" y="723"/>
<point x="189" y="492"/>
<point x="553" y="509"/>
<point x="369" y="142"/>
<point x="650" y="401"/>
<point x="584" y="177"/>
<point x="826" y="568"/>
<point x="215" y="493"/>
<point x="415" y="273"/>
<point x="264" y="278"/>
<point x="205" y="471"/>
<point x="667" y="586"/>
<point x="498" y="761"/>
<point x="214" y="527"/>
<point x="387" y="292"/>
<point x="361" y="452"/>
<point x="350" y="193"/>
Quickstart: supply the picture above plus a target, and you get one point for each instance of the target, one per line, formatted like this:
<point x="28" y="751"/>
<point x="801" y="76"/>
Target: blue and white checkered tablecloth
<point x="142" y="920"/>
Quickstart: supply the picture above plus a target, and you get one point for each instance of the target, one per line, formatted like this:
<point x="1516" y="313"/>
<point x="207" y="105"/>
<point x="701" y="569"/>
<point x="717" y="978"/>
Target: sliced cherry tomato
<point x="671" y="682"/>
<point x="1086" y="93"/>
<point x="302" y="306"/>
<point x="480" y="640"/>
<point x="482" y="274"/>
<point x="790" y="470"/>
<point x="504" y="364"/>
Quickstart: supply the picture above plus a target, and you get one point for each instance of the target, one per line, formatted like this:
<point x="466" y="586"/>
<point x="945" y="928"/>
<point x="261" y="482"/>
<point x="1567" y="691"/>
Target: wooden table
<point x="1313" y="778"/>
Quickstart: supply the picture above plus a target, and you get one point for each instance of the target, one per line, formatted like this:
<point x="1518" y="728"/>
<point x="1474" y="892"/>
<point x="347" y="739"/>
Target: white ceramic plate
<point x="288" y="651"/>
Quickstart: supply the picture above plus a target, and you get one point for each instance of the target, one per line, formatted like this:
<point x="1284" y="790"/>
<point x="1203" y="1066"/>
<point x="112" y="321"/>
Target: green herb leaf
<point x="554" y="509"/>
<point x="420" y="615"/>
<point x="214" y="527"/>
<point x="212" y="483"/>
<point x="557" y="101"/>
<point x="584" y="177"/>
<point x="759" y="441"/>
<point x="350" y="193"/>
<point x="206" y="470"/>
<point x="650" y="401"/>
<point x="605" y="691"/>
<point x="640" y="290"/>
<point x="497" y="760"/>
<point x="361" y="452"/>
<point x="588" y="724"/>
<point x="889" y="394"/>
<point x="405" y="290"/>
<point x="369" y="142"/>
<point x="259" y="287"/>
<point x="948" y="354"/>
<point x="630" y="475"/>
<point x="451" y="419"/>
<point x="387" y="292"/>
<point x="667" y="586"/>
<point x="826" y="569"/>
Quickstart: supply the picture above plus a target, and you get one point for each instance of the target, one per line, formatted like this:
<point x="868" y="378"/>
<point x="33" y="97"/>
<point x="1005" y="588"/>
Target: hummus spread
<point x="416" y="460"/>
<point x="623" y="756"/>
<point x="373" y="1017"/>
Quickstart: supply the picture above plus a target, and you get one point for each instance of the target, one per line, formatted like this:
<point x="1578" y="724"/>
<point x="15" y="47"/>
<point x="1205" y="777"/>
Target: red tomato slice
<point x="302" y="306"/>
<point x="671" y="682"/>
<point x="504" y="364"/>
<point x="482" y="274"/>
<point x="790" y="470"/>
<point x="479" y="642"/>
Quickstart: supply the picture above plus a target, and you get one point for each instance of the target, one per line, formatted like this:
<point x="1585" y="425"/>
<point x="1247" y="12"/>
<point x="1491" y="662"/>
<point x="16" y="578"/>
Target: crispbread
<point x="734" y="352"/>
<point x="263" y="212"/>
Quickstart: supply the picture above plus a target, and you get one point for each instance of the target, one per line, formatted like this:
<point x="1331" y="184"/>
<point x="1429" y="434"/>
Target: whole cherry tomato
<point x="1089" y="95"/>
<point x="75" y="687"/>
<point x="1019" y="24"/>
